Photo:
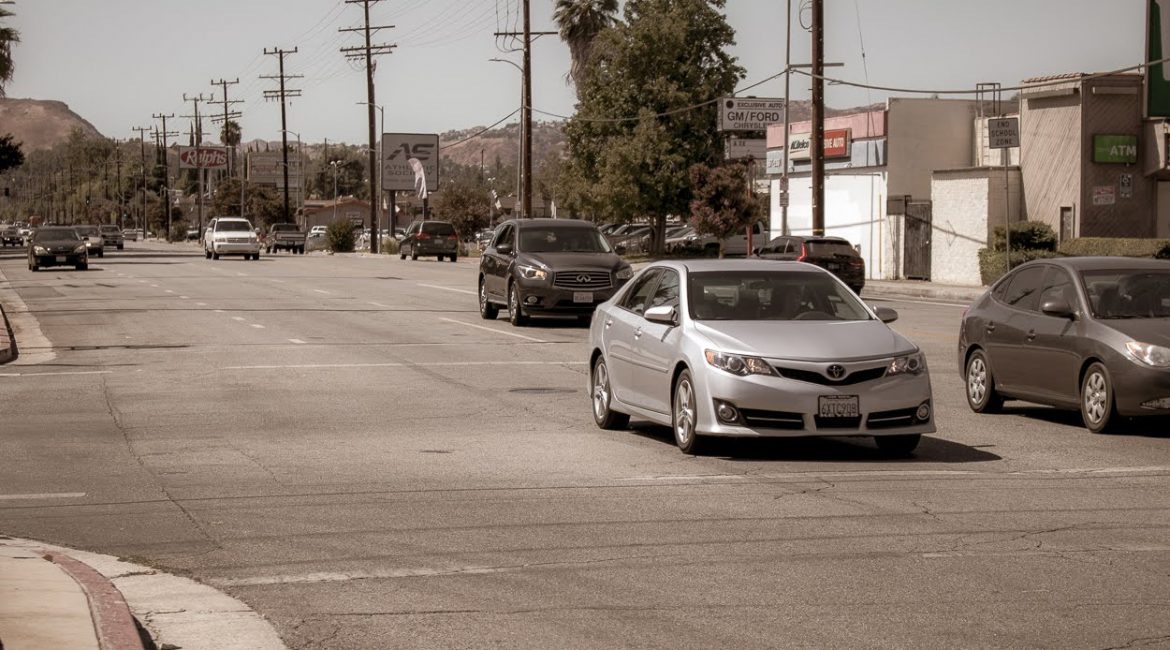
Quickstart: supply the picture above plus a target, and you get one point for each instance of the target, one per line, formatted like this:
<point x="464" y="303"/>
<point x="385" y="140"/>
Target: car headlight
<point x="911" y="364"/>
<point x="41" y="250"/>
<point x="80" y="248"/>
<point x="532" y="272"/>
<point x="1149" y="354"/>
<point x="738" y="364"/>
<point x="624" y="273"/>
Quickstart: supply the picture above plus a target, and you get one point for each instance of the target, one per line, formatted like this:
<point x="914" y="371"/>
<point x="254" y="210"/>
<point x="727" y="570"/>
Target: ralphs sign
<point x="203" y="158"/>
<point x="749" y="114"/>
<point x="398" y="149"/>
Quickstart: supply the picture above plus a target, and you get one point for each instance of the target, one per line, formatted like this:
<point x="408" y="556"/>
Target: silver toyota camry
<point x="755" y="348"/>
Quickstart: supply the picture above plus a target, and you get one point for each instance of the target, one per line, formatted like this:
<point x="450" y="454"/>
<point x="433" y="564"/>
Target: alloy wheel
<point x="1096" y="397"/>
<point x="977" y="380"/>
<point x="684" y="412"/>
<point x="600" y="391"/>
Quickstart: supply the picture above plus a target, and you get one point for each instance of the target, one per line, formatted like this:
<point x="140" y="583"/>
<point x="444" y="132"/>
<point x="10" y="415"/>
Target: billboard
<point x="398" y="149"/>
<point x="267" y="168"/>
<point x="203" y="158"/>
<point x="1157" y="47"/>
<point x="750" y="113"/>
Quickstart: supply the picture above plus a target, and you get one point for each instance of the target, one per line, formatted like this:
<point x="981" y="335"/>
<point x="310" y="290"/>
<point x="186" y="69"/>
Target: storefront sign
<point x="749" y="114"/>
<point x="838" y="144"/>
<point x="740" y="148"/>
<point x="1104" y="195"/>
<point x="203" y="158"/>
<point x="1121" y="149"/>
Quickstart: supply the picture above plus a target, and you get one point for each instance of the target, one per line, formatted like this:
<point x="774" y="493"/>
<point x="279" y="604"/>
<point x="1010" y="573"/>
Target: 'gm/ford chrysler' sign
<point x="749" y="114"/>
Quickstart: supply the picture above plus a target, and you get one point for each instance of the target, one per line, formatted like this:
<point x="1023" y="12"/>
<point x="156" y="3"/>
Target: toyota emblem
<point x="583" y="279"/>
<point x="835" y="371"/>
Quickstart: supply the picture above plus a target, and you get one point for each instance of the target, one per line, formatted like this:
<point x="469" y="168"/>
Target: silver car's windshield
<point x="1128" y="294"/>
<point x="771" y="295"/>
<point x="562" y="240"/>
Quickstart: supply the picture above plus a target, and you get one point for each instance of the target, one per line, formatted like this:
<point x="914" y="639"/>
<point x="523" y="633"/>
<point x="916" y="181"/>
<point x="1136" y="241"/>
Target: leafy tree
<point x="263" y="204"/>
<point x="230" y="133"/>
<point x="661" y="69"/>
<point x="351" y="175"/>
<point x="724" y="202"/>
<point x="465" y="204"/>
<point x="580" y="22"/>
<point x="11" y="155"/>
<point x="8" y="37"/>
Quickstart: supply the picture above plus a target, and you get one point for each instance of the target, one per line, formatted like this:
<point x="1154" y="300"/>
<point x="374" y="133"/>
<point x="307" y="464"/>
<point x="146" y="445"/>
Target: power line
<point x="480" y="132"/>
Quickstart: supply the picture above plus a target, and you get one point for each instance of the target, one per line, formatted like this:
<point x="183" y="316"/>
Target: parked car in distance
<point x="744" y="348"/>
<point x="230" y="236"/>
<point x="57" y="246"/>
<point x="112" y="236"/>
<point x="285" y="236"/>
<point x="548" y="267"/>
<point x="10" y="234"/>
<point x="93" y="239"/>
<point x="129" y="234"/>
<point x="1080" y="333"/>
<point x="192" y="234"/>
<point x="834" y="254"/>
<point x="428" y="238"/>
<point x="484" y="237"/>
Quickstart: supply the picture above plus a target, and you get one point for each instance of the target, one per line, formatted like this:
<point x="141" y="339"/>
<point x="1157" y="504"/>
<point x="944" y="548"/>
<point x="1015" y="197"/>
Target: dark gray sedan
<point x="1087" y="333"/>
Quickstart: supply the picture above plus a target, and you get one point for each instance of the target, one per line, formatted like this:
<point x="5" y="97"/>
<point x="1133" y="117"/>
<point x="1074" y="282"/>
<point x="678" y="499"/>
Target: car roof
<point x="702" y="266"/>
<point x="1104" y="263"/>
<point x="544" y="223"/>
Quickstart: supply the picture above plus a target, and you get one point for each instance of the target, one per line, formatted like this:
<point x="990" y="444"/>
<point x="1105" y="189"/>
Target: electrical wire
<point x="480" y="132"/>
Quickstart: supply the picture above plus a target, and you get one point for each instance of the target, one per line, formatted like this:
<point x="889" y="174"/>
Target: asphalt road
<point x="341" y="442"/>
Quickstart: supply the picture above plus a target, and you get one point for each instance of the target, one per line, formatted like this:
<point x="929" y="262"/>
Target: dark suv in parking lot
<point x="548" y="266"/>
<point x="834" y="254"/>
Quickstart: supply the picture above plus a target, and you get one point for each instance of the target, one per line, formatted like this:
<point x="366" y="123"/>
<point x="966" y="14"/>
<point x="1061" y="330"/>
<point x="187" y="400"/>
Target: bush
<point x="388" y="246"/>
<point x="341" y="237"/>
<point x="1116" y="247"/>
<point x="178" y="231"/>
<point x="1026" y="235"/>
<point x="993" y="264"/>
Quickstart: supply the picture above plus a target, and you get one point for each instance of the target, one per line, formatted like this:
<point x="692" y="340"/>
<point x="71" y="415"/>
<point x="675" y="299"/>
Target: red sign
<point x="838" y="143"/>
<point x="203" y="158"/>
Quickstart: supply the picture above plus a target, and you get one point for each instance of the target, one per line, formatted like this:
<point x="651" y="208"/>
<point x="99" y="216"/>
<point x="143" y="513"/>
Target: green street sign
<point x="1121" y="149"/>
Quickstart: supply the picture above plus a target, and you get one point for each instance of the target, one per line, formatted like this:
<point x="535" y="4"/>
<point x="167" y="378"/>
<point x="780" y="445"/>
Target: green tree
<point x="661" y="68"/>
<point x="263" y="204"/>
<point x="8" y="37"/>
<point x="11" y="155"/>
<point x="466" y="204"/>
<point x="723" y="202"/>
<point x="351" y="175"/>
<point x="230" y="134"/>
<point x="580" y="22"/>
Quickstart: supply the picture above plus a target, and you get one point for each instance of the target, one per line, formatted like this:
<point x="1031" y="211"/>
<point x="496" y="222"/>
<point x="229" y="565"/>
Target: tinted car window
<point x="554" y="239"/>
<point x="1023" y="292"/>
<point x="639" y="294"/>
<point x="1058" y="285"/>
<point x="1128" y="294"/>
<point x="232" y="226"/>
<point x="503" y="236"/>
<point x="438" y="228"/>
<point x="828" y="248"/>
<point x="667" y="291"/>
<point x="85" y="231"/>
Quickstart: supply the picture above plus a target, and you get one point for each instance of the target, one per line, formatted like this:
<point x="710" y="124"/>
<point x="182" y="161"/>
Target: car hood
<point x="59" y="243"/>
<point x="1142" y="330"/>
<point x="806" y="340"/>
<point x="575" y="261"/>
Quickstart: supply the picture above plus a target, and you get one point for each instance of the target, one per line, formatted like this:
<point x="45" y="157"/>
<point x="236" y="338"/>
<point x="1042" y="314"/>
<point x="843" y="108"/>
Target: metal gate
<point x="917" y="240"/>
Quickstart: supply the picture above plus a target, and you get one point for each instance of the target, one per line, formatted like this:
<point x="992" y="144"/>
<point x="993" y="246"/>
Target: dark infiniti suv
<point x="548" y="266"/>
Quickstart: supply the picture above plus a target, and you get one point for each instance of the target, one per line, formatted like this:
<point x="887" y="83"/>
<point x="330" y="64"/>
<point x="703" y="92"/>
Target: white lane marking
<point x="327" y="576"/>
<point x="57" y="374"/>
<point x="908" y="473"/>
<point x="43" y="495"/>
<point x="169" y="291"/>
<point x="184" y="298"/>
<point x="278" y="281"/>
<point x="378" y="304"/>
<point x="142" y="282"/>
<point x="297" y="341"/>
<point x="238" y="318"/>
<point x="257" y="326"/>
<point x="202" y="304"/>
<point x="435" y="286"/>
<point x="242" y="275"/>
<point x="494" y="330"/>
<point x="321" y="291"/>
<point x="460" y="364"/>
<point x="219" y="311"/>
<point x="154" y="286"/>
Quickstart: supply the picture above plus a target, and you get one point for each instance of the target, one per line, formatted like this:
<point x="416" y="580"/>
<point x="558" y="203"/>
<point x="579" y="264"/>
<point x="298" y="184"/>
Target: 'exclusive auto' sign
<point x="838" y="144"/>
<point x="749" y="114"/>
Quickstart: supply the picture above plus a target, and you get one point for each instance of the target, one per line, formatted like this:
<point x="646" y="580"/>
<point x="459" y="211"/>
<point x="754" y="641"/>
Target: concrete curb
<point x="7" y="340"/>
<point x="112" y="621"/>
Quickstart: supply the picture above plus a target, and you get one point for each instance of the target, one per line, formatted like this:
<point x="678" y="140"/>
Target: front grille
<point x="237" y="240"/>
<point x="891" y="419"/>
<point x="857" y="377"/>
<point x="582" y="280"/>
<point x="838" y="423"/>
<point x="772" y="419"/>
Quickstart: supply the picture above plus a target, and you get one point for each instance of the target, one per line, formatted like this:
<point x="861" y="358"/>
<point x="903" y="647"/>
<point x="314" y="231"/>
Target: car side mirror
<point x="886" y="314"/>
<point x="664" y="314"/>
<point x="1058" y="308"/>
<point x="504" y="249"/>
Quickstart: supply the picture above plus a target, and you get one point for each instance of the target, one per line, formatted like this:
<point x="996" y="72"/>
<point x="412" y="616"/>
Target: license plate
<point x="838" y="406"/>
<point x="61" y="259"/>
<point x="583" y="296"/>
<point x="834" y="267"/>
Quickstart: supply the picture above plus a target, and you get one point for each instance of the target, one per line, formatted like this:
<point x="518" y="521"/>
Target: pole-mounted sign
<point x="398" y="149"/>
<point x="749" y="113"/>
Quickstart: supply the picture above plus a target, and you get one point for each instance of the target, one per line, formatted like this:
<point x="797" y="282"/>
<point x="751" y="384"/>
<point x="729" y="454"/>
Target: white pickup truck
<point x="733" y="246"/>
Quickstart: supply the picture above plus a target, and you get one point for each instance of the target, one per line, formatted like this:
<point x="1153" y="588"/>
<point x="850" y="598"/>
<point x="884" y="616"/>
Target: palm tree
<point x="8" y="36"/>
<point x="580" y="22"/>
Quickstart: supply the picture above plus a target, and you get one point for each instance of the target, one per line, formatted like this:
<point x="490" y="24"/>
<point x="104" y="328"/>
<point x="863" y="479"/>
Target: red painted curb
<point x="112" y="620"/>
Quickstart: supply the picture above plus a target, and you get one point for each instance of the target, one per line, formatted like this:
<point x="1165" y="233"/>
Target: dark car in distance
<point x="834" y="254"/>
<point x="548" y="267"/>
<point x="429" y="238"/>
<point x="57" y="246"/>
<point x="112" y="236"/>
<point x="1082" y="333"/>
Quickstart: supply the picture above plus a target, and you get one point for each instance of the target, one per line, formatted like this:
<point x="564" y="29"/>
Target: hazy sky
<point x="116" y="62"/>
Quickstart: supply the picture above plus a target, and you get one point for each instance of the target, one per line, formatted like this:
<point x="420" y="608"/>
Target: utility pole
<point x="142" y="143"/>
<point x="198" y="136"/>
<point x="817" y="141"/>
<point x="166" y="169"/>
<point x="283" y="94"/>
<point x="368" y="52"/>
<point x="118" y="181"/>
<point x="526" y="107"/>
<point x="785" y="197"/>
<point x="228" y="114"/>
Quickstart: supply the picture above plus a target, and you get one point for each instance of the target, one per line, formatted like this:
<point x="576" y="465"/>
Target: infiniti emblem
<point x="583" y="279"/>
<point x="835" y="371"/>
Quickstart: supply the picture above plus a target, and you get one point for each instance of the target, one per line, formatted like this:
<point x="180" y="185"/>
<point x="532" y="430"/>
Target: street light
<point x="375" y="181"/>
<point x="520" y="140"/>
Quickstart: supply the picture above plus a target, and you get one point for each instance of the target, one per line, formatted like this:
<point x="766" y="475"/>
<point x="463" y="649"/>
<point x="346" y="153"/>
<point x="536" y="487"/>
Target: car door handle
<point x="608" y="322"/>
<point x="638" y="332"/>
<point x="990" y="327"/>
<point x="1031" y="335"/>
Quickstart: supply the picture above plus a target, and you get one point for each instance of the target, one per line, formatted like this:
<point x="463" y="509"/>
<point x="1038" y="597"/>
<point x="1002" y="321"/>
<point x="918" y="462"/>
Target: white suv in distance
<point x="231" y="236"/>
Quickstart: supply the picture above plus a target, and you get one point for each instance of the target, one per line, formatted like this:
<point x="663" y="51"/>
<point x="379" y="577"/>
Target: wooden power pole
<point x="817" y="141"/>
<point x="283" y="94"/>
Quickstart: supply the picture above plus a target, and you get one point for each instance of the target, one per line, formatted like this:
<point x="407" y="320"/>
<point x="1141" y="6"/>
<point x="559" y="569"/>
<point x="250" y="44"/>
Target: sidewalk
<point x="53" y="597"/>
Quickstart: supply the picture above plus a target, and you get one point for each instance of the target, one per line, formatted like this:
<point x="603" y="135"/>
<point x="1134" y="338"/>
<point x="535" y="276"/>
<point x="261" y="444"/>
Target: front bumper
<point x="772" y="406"/>
<point x="1135" y="384"/>
<point x="542" y="297"/>
<point x="236" y="248"/>
<point x="61" y="259"/>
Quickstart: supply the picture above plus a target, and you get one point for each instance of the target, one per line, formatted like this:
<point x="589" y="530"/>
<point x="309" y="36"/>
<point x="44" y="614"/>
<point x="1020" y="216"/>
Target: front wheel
<point x="898" y="445"/>
<point x="603" y="415"/>
<point x="685" y="416"/>
<point x="454" y="258"/>
<point x="487" y="310"/>
<point x="214" y="255"/>
<point x="981" y="394"/>
<point x="413" y="254"/>
<point x="101" y="253"/>
<point x="121" y="246"/>
<point x="1097" y="404"/>
<point x="515" y="312"/>
<point x="206" y="254"/>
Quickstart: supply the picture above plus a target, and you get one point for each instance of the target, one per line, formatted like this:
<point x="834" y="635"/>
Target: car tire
<point x="487" y="310"/>
<point x="402" y="254"/>
<point x="980" y="385"/>
<point x="602" y="396"/>
<point x="516" y="314"/>
<point x="684" y="416"/>
<point x="206" y="254"/>
<point x="413" y="254"/>
<point x="1098" y="406"/>
<point x="34" y="268"/>
<point x="82" y="267"/>
<point x="453" y="258"/>
<point x="901" y="445"/>
<point x="214" y="255"/>
<point x="300" y="250"/>
<point x="121" y="246"/>
<point x="101" y="253"/>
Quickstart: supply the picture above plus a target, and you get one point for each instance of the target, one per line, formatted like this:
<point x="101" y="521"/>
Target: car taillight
<point x="452" y="236"/>
<point x="422" y="236"/>
<point x="803" y="253"/>
<point x="857" y="261"/>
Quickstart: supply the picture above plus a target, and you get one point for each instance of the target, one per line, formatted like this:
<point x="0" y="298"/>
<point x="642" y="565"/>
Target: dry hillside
<point x="40" y="124"/>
